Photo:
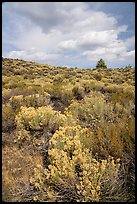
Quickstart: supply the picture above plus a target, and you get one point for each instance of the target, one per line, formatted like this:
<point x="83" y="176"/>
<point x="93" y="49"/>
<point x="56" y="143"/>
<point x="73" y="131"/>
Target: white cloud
<point x="100" y="53"/>
<point x="96" y="39"/>
<point x="68" y="44"/>
<point x="32" y="54"/>
<point x="130" y="42"/>
<point x="62" y="32"/>
<point x="96" y="21"/>
<point x="128" y="56"/>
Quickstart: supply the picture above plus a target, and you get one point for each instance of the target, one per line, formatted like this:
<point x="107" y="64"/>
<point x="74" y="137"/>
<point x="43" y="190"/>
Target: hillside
<point x="68" y="134"/>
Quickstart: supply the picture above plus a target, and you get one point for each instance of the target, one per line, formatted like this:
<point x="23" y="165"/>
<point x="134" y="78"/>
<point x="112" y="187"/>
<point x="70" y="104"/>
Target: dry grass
<point x="17" y="168"/>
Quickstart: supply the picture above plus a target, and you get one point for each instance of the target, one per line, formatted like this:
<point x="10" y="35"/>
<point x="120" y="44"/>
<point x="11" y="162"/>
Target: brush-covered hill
<point x="68" y="134"/>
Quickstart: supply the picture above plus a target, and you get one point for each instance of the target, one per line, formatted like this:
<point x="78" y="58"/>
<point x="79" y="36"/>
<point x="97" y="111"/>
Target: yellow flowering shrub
<point x="38" y="118"/>
<point x="72" y="167"/>
<point x="37" y="100"/>
<point x="22" y="136"/>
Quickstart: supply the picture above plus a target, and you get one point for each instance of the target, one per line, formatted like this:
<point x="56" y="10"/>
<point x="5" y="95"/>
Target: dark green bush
<point x="101" y="64"/>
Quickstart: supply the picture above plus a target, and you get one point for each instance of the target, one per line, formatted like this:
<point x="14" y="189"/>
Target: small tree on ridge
<point x="101" y="64"/>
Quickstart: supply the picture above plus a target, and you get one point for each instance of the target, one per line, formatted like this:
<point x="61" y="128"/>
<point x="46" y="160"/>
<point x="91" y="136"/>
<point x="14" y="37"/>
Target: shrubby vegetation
<point x="73" y="175"/>
<point x="68" y="134"/>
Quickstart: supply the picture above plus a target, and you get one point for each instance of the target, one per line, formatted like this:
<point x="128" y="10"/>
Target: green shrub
<point x="6" y="94"/>
<point x="37" y="100"/>
<point x="123" y="97"/>
<point x="16" y="102"/>
<point x="98" y="77"/>
<point x="8" y="118"/>
<point x="116" y="139"/>
<point x="91" y="110"/>
<point x="78" y="92"/>
<point x="61" y="95"/>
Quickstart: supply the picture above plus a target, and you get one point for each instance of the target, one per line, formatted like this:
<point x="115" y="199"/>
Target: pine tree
<point x="128" y="67"/>
<point x="101" y="64"/>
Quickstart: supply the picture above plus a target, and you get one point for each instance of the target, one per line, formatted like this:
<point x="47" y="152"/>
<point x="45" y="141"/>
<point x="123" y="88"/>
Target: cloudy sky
<point x="70" y="33"/>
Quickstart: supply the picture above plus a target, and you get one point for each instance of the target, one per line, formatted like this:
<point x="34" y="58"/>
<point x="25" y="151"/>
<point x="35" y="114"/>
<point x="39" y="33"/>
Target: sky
<point x="71" y="34"/>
